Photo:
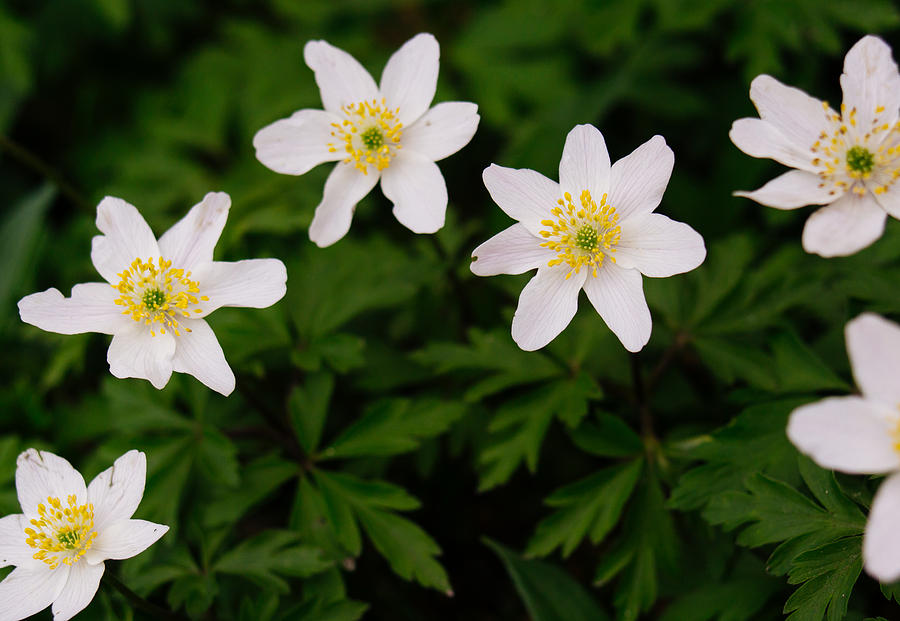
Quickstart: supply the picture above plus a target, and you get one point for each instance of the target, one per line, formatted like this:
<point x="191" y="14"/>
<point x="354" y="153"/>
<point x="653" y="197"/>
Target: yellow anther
<point x="61" y="536"/>
<point x="370" y="135"/>
<point x="158" y="294"/>
<point x="581" y="236"/>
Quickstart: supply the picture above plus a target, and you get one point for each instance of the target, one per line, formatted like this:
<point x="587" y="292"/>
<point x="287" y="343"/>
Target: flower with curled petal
<point x="157" y="294"/>
<point x="594" y="230"/>
<point x="385" y="132"/>
<point x="860" y="434"/>
<point x="66" y="530"/>
<point x="847" y="160"/>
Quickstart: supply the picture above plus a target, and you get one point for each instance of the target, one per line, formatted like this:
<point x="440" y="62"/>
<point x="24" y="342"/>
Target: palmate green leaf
<point x="308" y="409"/>
<point x="589" y="507"/>
<point x="270" y="555"/>
<point x="519" y="426"/>
<point x="492" y="360"/>
<point x="607" y="436"/>
<point x="394" y="426"/>
<point x="548" y="592"/>
<point x="827" y="574"/>
<point x="259" y="479"/>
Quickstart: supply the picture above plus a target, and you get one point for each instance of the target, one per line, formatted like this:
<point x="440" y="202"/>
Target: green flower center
<point x="860" y="159"/>
<point x="372" y="138"/>
<point x="586" y="238"/>
<point x="153" y="299"/>
<point x="69" y="539"/>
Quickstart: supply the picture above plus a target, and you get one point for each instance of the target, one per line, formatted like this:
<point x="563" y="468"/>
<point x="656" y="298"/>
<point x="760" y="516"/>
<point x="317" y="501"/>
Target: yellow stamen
<point x="61" y="535"/>
<point x="158" y="294"/>
<point x="369" y="135"/>
<point x="581" y="237"/>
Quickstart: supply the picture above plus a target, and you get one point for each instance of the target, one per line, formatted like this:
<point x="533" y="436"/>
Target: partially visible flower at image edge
<point x="158" y="292"/>
<point x="594" y="230"/>
<point x="66" y="530"/>
<point x="847" y="160"/>
<point x="385" y="132"/>
<point x="861" y="434"/>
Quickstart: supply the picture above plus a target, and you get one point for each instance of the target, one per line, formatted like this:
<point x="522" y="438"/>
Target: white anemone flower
<point x="847" y="160"/>
<point x="861" y="434"/>
<point x="157" y="294"/>
<point x="594" y="230"/>
<point x="66" y="530"/>
<point x="385" y="132"/>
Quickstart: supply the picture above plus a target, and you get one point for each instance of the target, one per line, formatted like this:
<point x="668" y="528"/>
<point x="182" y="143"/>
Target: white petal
<point x="342" y="80"/>
<point x="251" y="283"/>
<point x="91" y="308"/>
<point x="523" y="194"/>
<point x="849" y="434"/>
<point x="344" y="187"/>
<point x="881" y="542"/>
<point x="759" y="138"/>
<point x="890" y="200"/>
<point x="79" y="590"/>
<point x="13" y="549"/>
<point x="870" y="81"/>
<point x="443" y="130"/>
<point x="416" y="187"/>
<point x="658" y="246"/>
<point x="136" y="353"/>
<point x="124" y="539"/>
<point x="873" y="344"/>
<point x="844" y="227"/>
<point x="126" y="236"/>
<point x="511" y="251"/>
<point x="410" y="77"/>
<point x="40" y="474"/>
<point x="191" y="240"/>
<point x="297" y="144"/>
<point x="638" y="180"/>
<point x="198" y="352"/>
<point x="618" y="295"/>
<point x="585" y="163"/>
<point x="546" y="306"/>
<point x="797" y="116"/>
<point x="25" y="592"/>
<point x="117" y="491"/>
<point x="793" y="189"/>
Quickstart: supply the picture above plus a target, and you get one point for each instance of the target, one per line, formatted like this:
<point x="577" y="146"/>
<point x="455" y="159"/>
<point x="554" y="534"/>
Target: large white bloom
<point x="594" y="230"/>
<point x="385" y="132"/>
<point x="156" y="294"/>
<point x="861" y="434"/>
<point x="847" y="160"/>
<point x="66" y="530"/>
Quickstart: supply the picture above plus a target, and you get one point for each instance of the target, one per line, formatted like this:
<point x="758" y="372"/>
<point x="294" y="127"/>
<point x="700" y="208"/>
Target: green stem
<point x="32" y="161"/>
<point x="139" y="603"/>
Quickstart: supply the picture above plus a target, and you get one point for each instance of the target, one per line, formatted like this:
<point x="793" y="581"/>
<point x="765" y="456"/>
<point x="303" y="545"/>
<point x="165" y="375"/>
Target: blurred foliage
<point x="386" y="434"/>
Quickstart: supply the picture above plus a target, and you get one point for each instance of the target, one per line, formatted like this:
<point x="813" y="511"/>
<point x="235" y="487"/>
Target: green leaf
<point x="270" y="555"/>
<point x="20" y="231"/>
<point x="308" y="409"/>
<point x="827" y="574"/>
<point x="590" y="506"/>
<point x="799" y="369"/>
<point x="549" y="593"/>
<point x="259" y="479"/>
<point x="609" y="436"/>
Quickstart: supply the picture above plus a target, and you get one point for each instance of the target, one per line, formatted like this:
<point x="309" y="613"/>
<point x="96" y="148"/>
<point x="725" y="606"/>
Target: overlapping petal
<point x="135" y="352"/>
<point x="758" y="138"/>
<point x="79" y="590"/>
<point x="513" y="250"/>
<point x="416" y="186"/>
<point x="443" y="130"/>
<point x="658" y="246"/>
<point x="13" y="549"/>
<point x="192" y="239"/>
<point x="881" y="545"/>
<point x="126" y="236"/>
<point x="796" y="115"/>
<point x="546" y="306"/>
<point x="873" y="344"/>
<point x="618" y="296"/>
<point x="117" y="491"/>
<point x="295" y="145"/>
<point x="793" y="189"/>
<point x="410" y="77"/>
<point x="40" y="474"/>
<point x="342" y="80"/>
<point x="199" y="353"/>
<point x="91" y="308"/>
<point x="27" y="591"/>
<point x="844" y="227"/>
<point x="344" y="187"/>
<point x="638" y="180"/>
<point x="523" y="194"/>
<point x="585" y="163"/>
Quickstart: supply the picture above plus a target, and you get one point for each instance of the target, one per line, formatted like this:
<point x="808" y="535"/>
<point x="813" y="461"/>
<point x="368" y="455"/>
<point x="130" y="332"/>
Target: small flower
<point x="66" y="530"/>
<point x="387" y="133"/>
<point x="847" y="160"/>
<point x="595" y="230"/>
<point x="157" y="294"/>
<point x="861" y="434"/>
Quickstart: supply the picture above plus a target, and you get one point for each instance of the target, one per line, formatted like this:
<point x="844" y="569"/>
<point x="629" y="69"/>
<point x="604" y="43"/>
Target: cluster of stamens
<point x="854" y="157"/>
<point x="582" y="236"/>
<point x="158" y="294"/>
<point x="370" y="135"/>
<point x="61" y="534"/>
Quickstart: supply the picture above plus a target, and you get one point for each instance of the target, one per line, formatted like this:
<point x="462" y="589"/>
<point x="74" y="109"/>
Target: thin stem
<point x="32" y="161"/>
<point x="139" y="603"/>
<point x="668" y="356"/>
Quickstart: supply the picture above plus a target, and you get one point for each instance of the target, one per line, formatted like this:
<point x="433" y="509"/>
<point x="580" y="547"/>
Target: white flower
<point x="861" y="434"/>
<point x="594" y="230"/>
<point x="157" y="294"/>
<point x="385" y="132"/>
<point x="66" y="530"/>
<point x="848" y="161"/>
